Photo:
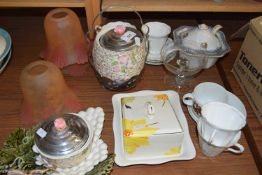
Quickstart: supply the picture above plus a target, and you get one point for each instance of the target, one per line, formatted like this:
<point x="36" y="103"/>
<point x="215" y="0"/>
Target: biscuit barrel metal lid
<point x="120" y="38"/>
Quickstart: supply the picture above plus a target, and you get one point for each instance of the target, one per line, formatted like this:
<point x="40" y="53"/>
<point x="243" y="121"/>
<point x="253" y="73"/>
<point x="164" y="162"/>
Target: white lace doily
<point x="99" y="151"/>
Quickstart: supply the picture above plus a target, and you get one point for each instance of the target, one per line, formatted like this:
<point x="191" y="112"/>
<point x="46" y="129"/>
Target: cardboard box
<point x="247" y="68"/>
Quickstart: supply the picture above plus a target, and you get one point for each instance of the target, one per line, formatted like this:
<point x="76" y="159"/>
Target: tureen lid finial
<point x="203" y="26"/>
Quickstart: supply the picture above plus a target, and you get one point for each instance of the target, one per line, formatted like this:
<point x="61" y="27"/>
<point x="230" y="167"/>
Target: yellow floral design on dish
<point x="162" y="97"/>
<point x="127" y="100"/>
<point x="173" y="151"/>
<point x="135" y="138"/>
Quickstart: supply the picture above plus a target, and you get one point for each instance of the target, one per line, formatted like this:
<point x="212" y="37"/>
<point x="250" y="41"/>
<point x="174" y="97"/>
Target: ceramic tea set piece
<point x="207" y="92"/>
<point x="221" y="123"/>
<point x="187" y="152"/>
<point x="5" y="49"/>
<point x="71" y="144"/>
<point x="204" y="93"/>
<point x="157" y="59"/>
<point x="190" y="40"/>
<point x="151" y="123"/>
<point x="219" y="115"/>
<point x="119" y="53"/>
<point x="157" y="36"/>
<point x="219" y="129"/>
<point x="203" y="34"/>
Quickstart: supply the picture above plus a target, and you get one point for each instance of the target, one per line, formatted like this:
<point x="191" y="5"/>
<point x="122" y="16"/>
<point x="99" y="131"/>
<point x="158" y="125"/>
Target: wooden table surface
<point x="27" y="43"/>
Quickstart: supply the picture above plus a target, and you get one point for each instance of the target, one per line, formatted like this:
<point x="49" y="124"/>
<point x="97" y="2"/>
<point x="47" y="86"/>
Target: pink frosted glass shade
<point x="45" y="93"/>
<point x="66" y="42"/>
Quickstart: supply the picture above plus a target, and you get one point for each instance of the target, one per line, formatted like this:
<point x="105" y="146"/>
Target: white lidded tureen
<point x="119" y="54"/>
<point x="201" y="41"/>
<point x="65" y="141"/>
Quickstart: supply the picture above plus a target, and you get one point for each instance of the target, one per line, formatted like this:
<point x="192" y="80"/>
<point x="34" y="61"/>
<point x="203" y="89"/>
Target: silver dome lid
<point x="62" y="136"/>
<point x="116" y="40"/>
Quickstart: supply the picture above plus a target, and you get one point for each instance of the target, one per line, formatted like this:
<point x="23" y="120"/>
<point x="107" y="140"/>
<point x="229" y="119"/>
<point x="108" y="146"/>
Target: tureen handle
<point x="216" y="29"/>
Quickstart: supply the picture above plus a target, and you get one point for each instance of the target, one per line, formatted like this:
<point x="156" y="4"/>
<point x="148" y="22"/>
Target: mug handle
<point x="188" y="99"/>
<point x="238" y="150"/>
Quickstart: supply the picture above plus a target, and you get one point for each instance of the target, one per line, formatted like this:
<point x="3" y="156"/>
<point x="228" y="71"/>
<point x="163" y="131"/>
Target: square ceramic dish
<point x="187" y="151"/>
<point x="150" y="127"/>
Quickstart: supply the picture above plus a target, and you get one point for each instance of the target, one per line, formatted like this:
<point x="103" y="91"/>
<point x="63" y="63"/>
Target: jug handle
<point x="216" y="28"/>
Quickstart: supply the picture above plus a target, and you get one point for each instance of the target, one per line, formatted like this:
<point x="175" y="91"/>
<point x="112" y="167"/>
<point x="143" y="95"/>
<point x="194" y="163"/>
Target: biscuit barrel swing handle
<point x="95" y="28"/>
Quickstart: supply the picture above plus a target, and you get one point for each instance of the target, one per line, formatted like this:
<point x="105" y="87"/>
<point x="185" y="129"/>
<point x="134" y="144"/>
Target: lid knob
<point x="150" y="110"/>
<point x="203" y="26"/>
<point x="120" y="29"/>
<point x="60" y="124"/>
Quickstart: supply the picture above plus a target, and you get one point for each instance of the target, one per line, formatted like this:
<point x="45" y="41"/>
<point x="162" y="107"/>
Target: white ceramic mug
<point x="158" y="35"/>
<point x="204" y="93"/>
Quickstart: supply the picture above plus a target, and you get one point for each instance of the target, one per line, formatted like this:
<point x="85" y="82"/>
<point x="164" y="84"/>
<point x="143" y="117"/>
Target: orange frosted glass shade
<point x="45" y="93"/>
<point x="66" y="42"/>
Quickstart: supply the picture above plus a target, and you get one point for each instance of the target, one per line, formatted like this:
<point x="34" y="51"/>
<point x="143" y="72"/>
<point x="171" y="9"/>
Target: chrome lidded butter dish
<point x="81" y="137"/>
<point x="64" y="141"/>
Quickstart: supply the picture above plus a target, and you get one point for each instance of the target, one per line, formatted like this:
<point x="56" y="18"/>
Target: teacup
<point x="204" y="93"/>
<point x="158" y="35"/>
<point x="220" y="127"/>
<point x="211" y="150"/>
